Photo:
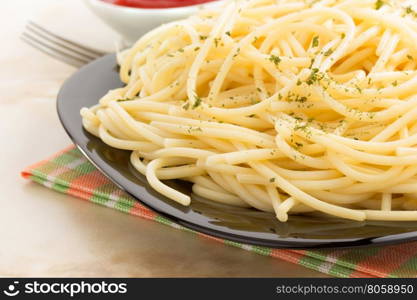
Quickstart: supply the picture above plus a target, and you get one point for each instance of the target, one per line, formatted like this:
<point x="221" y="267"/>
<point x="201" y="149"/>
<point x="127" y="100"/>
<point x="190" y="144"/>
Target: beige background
<point x="44" y="233"/>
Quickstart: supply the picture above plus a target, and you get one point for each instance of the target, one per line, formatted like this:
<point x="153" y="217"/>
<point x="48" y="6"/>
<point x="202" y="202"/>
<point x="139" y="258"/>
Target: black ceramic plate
<point x="237" y="224"/>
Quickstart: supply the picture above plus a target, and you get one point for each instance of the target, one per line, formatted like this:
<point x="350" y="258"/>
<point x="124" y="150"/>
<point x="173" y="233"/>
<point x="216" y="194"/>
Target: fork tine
<point x="89" y="50"/>
<point x="54" y="52"/>
<point x="33" y="32"/>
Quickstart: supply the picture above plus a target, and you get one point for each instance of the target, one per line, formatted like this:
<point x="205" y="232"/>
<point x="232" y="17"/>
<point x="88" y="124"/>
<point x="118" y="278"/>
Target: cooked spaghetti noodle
<point x="287" y="106"/>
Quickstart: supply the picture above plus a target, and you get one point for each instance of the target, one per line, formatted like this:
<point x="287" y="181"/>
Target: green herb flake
<point x="272" y="179"/>
<point x="315" y="41"/>
<point x="301" y="127"/>
<point x="300" y="99"/>
<point x="314" y="77"/>
<point x="410" y="11"/>
<point x="237" y="52"/>
<point x="186" y="106"/>
<point x="328" y="52"/>
<point x="197" y="102"/>
<point x="275" y="59"/>
<point x="312" y="63"/>
<point x="379" y="4"/>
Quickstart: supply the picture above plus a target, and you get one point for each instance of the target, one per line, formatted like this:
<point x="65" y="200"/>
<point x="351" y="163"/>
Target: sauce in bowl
<point x="156" y="3"/>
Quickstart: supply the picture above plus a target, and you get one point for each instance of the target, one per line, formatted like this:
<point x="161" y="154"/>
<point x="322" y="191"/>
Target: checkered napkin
<point x="70" y="173"/>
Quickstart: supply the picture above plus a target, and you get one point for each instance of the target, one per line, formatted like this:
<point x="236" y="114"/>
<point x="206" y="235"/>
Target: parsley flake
<point x="275" y="59"/>
<point x="379" y="4"/>
<point x="197" y="102"/>
<point x="328" y="52"/>
<point x="315" y="41"/>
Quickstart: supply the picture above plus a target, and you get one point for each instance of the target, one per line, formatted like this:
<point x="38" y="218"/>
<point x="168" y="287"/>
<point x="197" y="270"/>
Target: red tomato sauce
<point x="156" y="3"/>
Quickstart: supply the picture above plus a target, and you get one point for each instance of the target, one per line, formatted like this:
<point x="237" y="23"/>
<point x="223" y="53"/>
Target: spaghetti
<point x="287" y="106"/>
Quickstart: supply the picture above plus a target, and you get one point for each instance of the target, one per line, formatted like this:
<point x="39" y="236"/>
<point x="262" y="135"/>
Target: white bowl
<point x="132" y="23"/>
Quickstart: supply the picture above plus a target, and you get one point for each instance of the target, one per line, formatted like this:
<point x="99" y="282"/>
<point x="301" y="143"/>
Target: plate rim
<point x="279" y="243"/>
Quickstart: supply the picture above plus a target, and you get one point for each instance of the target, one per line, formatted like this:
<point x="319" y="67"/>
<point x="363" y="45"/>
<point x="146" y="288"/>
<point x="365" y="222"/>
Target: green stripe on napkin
<point x="69" y="172"/>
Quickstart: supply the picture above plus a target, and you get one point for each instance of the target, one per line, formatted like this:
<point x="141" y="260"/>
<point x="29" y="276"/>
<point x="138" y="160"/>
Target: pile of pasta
<point x="286" y="106"/>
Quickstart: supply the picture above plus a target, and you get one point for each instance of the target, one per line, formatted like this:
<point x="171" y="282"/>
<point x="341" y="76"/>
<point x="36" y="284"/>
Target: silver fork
<point x="58" y="47"/>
